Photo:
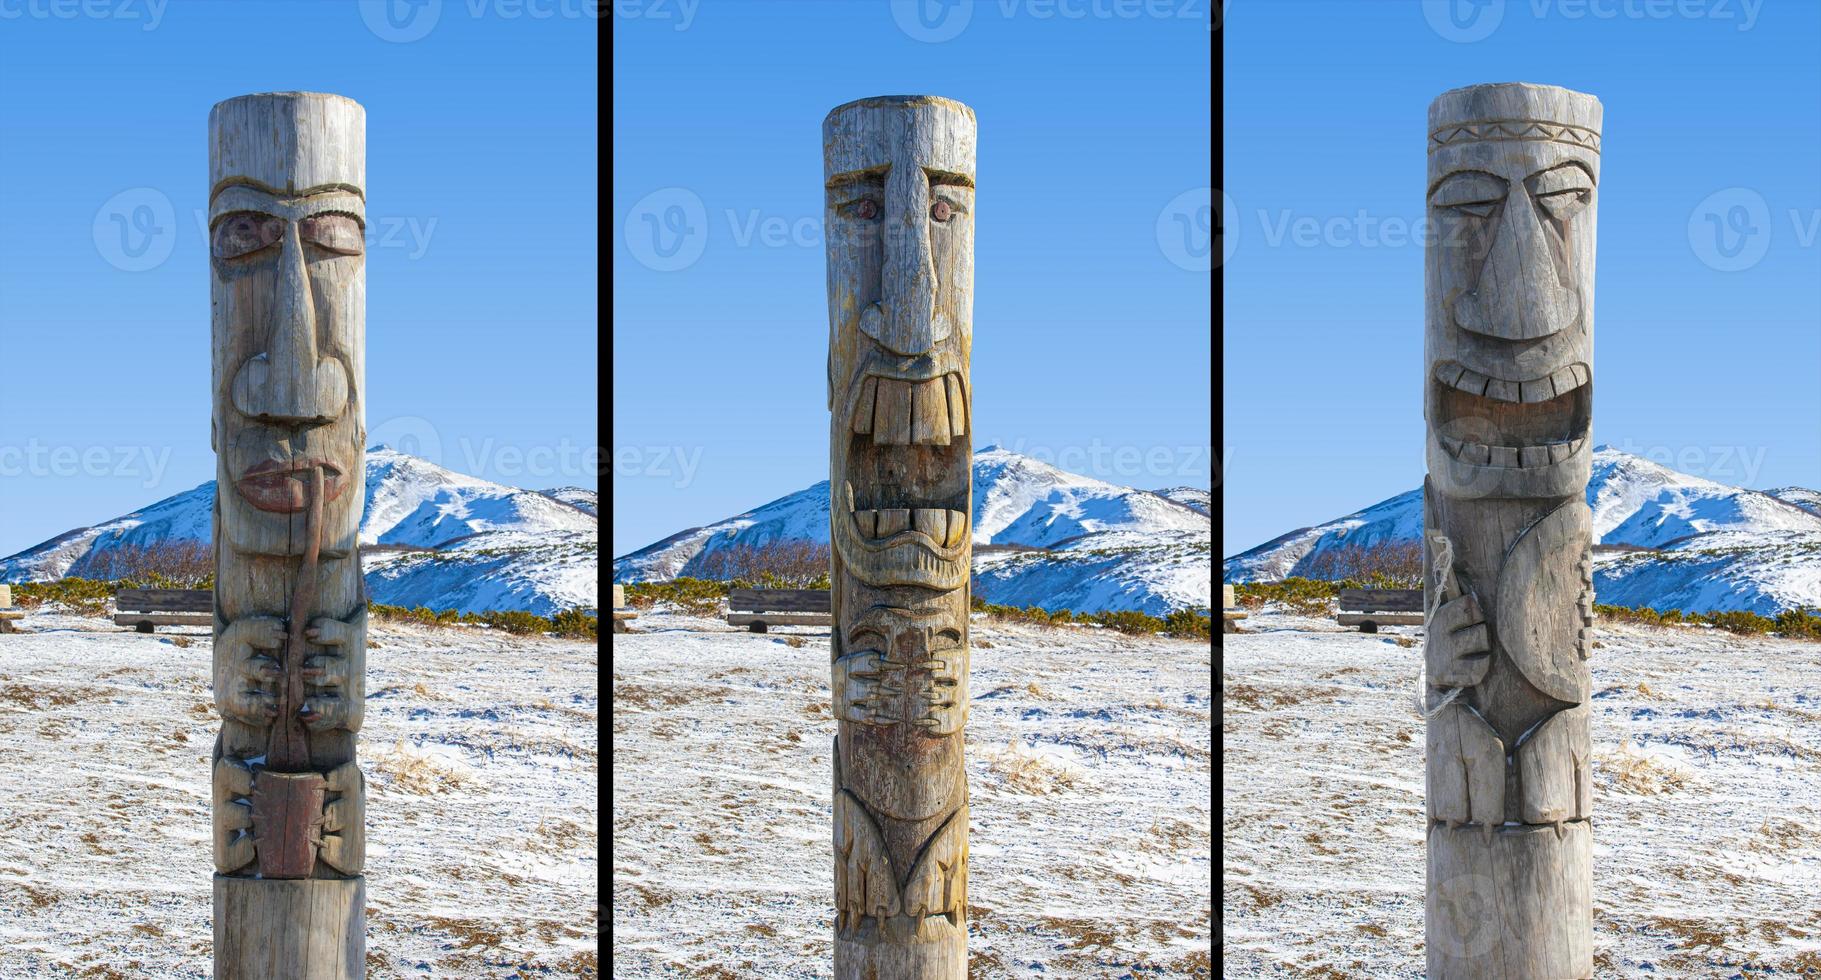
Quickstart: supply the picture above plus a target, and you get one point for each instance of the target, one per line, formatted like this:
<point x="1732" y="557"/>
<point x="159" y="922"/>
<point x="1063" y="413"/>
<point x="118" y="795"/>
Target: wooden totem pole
<point x="287" y="210"/>
<point x="1508" y="590"/>
<point x="900" y="216"/>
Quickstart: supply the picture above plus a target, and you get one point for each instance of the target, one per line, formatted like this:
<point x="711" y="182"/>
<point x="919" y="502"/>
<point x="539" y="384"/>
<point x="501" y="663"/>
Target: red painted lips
<point x="280" y="487"/>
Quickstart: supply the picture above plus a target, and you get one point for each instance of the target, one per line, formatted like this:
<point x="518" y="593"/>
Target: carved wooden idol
<point x="287" y="207"/>
<point x="1513" y="170"/>
<point x="900" y="216"/>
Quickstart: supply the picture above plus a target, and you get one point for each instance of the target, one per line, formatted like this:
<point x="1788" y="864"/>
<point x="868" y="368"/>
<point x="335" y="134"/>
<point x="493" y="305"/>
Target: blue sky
<point x="1712" y="113"/>
<point x="1091" y="322"/>
<point x="482" y="320"/>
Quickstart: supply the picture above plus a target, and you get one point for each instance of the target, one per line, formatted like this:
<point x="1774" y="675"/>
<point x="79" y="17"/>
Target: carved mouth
<point x="940" y="529"/>
<point x="910" y="412"/>
<point x="1490" y="421"/>
<point x="279" y="487"/>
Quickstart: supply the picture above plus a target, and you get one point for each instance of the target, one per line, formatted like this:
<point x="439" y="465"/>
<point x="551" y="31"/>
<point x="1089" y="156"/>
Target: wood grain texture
<point x="300" y="929"/>
<point x="1381" y="600"/>
<point x="1508" y="342"/>
<point x="778" y="600"/>
<point x="287" y="214"/>
<point x="165" y="600"/>
<point x="899" y="180"/>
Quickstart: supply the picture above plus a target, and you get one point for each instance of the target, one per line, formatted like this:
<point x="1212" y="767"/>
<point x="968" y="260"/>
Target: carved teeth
<point x="930" y="412"/>
<point x="957" y="406"/>
<point x="893" y="520"/>
<point x="931" y="522"/>
<point x="863" y="413"/>
<point x="946" y="528"/>
<point x="1525" y="457"/>
<point x="1558" y="383"/>
<point x="850" y="494"/>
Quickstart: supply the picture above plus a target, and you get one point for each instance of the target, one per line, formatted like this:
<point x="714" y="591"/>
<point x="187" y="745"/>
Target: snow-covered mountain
<point x="1803" y="497"/>
<point x="1087" y="545"/>
<point x="439" y="539"/>
<point x="1707" y="546"/>
<point x="587" y="500"/>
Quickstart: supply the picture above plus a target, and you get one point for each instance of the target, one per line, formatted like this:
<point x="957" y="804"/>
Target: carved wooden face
<point x="900" y="219"/>
<point x="1510" y="318"/>
<point x="289" y="322"/>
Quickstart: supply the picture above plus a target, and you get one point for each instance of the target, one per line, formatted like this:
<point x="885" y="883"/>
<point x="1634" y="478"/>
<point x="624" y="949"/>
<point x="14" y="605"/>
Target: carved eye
<point x="865" y="209"/>
<point x="940" y="210"/>
<point x="246" y="232"/>
<point x="338" y="233"/>
<point x="1469" y="192"/>
<point x="1563" y="205"/>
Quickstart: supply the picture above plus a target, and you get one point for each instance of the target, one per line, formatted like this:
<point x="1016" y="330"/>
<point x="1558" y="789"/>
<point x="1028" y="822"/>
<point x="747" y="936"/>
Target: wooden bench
<point x="1369" y="609"/>
<point x="8" y="615"/>
<point x="757" y="609"/>
<point x="146" y="609"/>
<point x="1229" y="611"/>
<point x="620" y="612"/>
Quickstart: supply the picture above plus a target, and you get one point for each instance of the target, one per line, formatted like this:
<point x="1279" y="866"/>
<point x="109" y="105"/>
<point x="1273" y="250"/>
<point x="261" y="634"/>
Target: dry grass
<point x="417" y="773"/>
<point x="1640" y="775"/>
<point x="1024" y="771"/>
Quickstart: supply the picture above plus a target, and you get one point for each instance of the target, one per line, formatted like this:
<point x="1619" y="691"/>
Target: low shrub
<point x="1310" y="597"/>
<point x="1796" y="624"/>
<point x="698" y="596"/>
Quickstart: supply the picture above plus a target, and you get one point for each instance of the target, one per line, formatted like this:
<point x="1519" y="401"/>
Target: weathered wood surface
<point x="1226" y="597"/>
<point x="779" y="619"/>
<point x="1381" y="600"/>
<point x="165" y="600"/>
<point x="1507" y="568"/>
<point x="899" y="180"/>
<point x="287" y="216"/>
<point x="619" y="597"/>
<point x="145" y="621"/>
<point x="778" y="600"/>
<point x="1380" y="618"/>
<point x="298" y="929"/>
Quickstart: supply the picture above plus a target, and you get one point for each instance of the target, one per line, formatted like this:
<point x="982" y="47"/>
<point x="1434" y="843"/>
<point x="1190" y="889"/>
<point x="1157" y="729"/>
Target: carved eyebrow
<point x="1569" y="176"/>
<point x="949" y="178"/>
<point x="1467" y="187"/>
<point x="871" y="176"/>
<point x="281" y="192"/>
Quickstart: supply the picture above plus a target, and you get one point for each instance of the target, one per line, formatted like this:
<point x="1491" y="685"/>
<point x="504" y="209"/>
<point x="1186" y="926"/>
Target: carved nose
<point x="290" y="383"/>
<point x="1519" y="294"/>
<point x="905" y="320"/>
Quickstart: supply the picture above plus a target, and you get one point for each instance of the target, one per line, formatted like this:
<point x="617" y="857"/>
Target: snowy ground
<point x="1089" y="764"/>
<point x="481" y="756"/>
<point x="1707" y="794"/>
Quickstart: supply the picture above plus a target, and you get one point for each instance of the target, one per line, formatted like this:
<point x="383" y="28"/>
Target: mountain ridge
<point x="441" y="539"/>
<point x="1709" y="547"/>
<point x="1102" y="547"/>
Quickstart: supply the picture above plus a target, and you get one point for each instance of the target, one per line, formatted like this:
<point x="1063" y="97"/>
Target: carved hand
<point x="233" y="784"/>
<point x="864" y="689"/>
<point x="944" y="700"/>
<point x="1458" y="648"/>
<point x="329" y="704"/>
<point x="247" y="689"/>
